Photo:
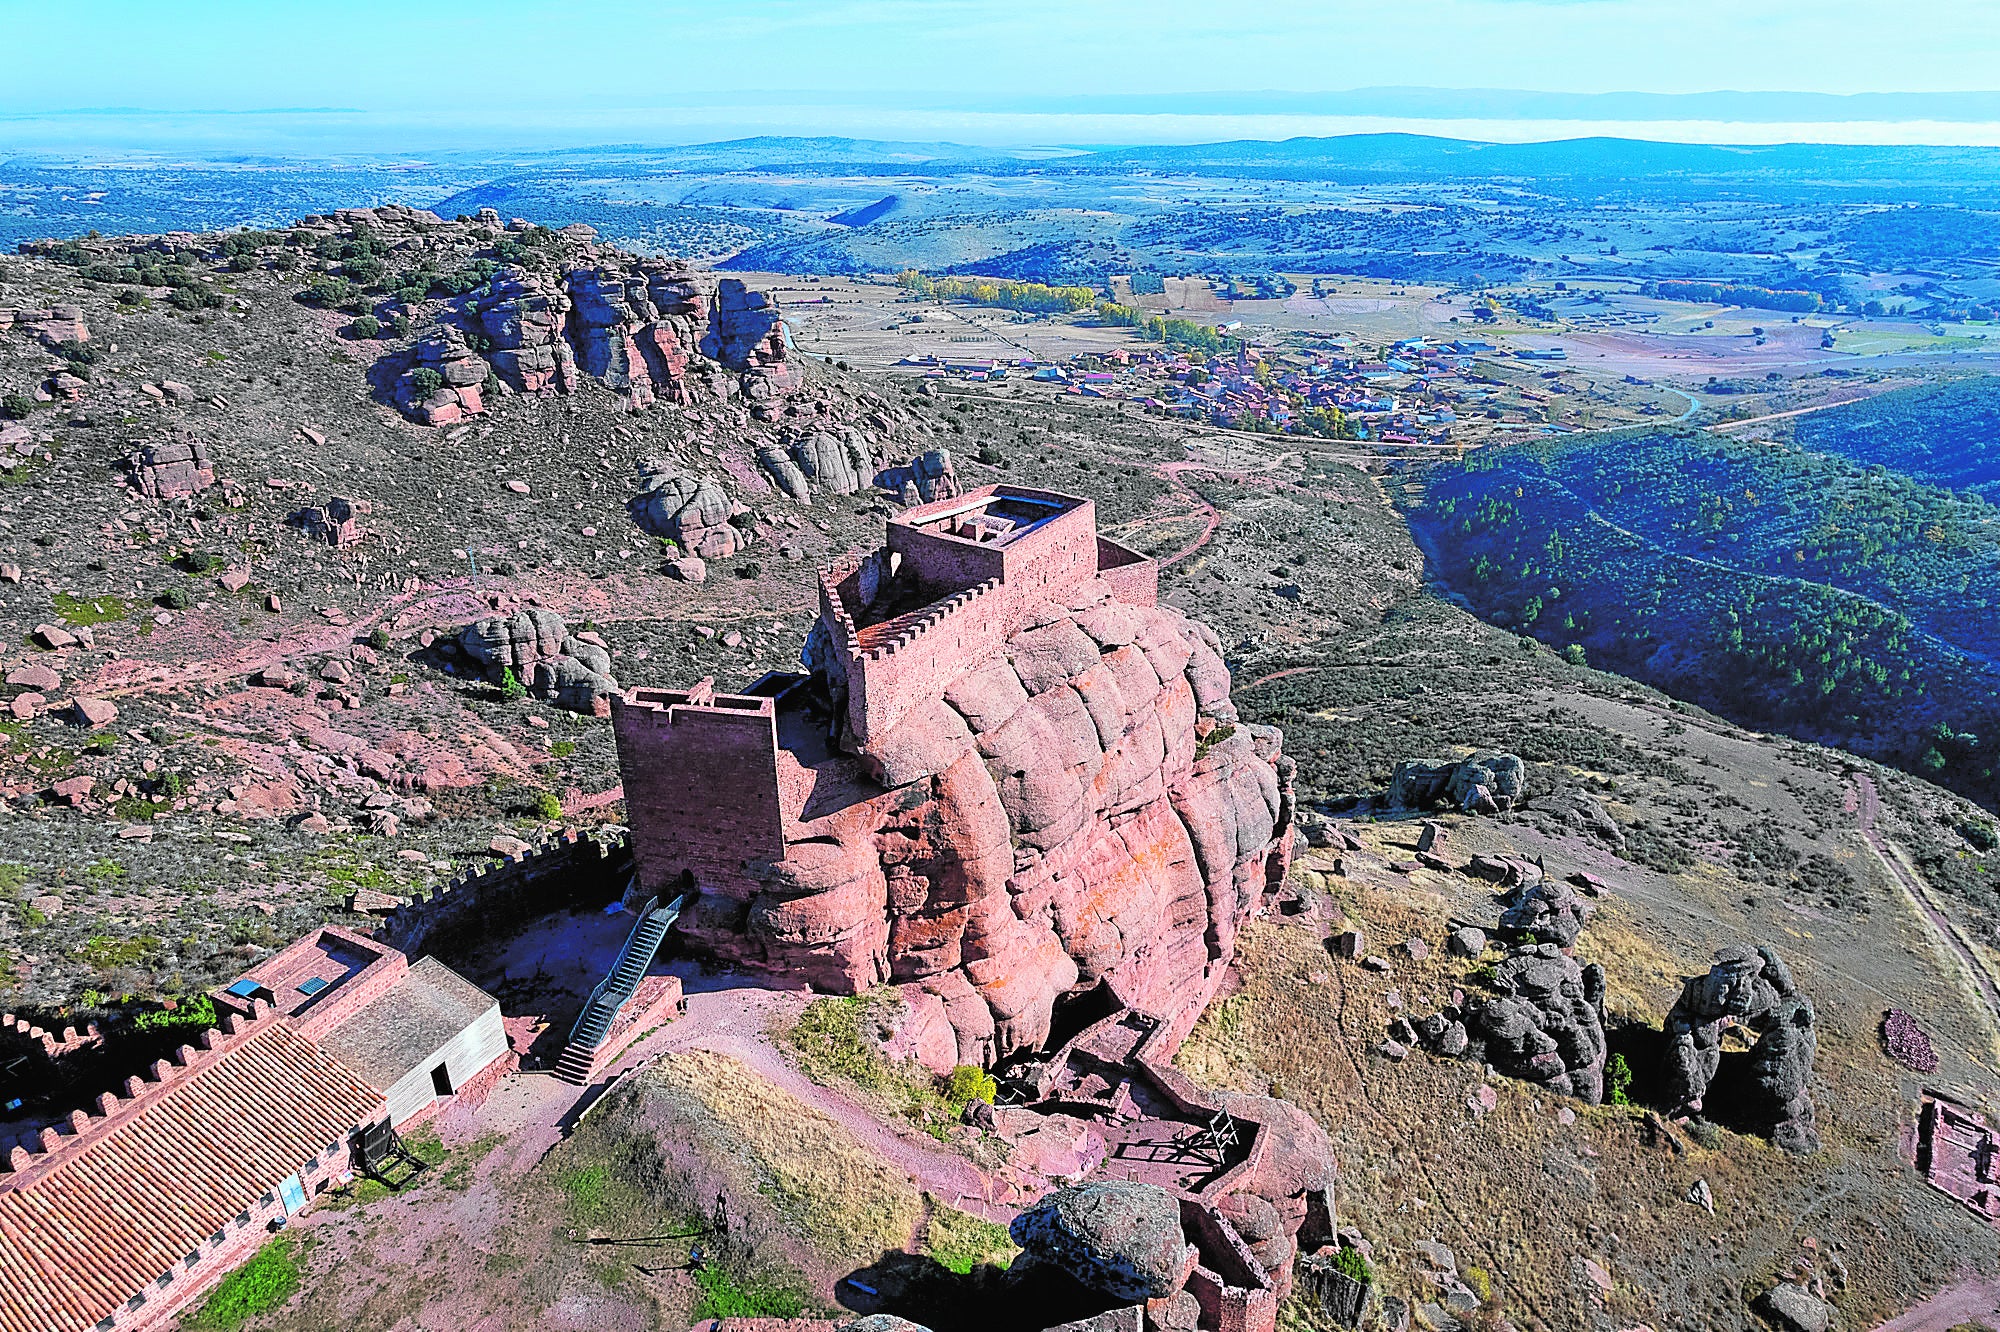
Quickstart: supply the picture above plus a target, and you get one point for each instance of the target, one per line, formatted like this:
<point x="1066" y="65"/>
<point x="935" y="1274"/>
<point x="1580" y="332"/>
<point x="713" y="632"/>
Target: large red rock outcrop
<point x="1078" y="807"/>
<point x="1010" y="776"/>
<point x="637" y="326"/>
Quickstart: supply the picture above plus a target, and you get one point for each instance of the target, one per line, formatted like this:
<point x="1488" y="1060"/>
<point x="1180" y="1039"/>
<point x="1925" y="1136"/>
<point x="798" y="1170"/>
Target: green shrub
<point x="511" y="687"/>
<point x="749" y="569"/>
<point x="1980" y="833"/>
<point x="175" y="598"/>
<point x="378" y="639"/>
<point x="966" y="1084"/>
<point x="425" y="381"/>
<point x="328" y="291"/>
<point x="196" y="1014"/>
<point x="1618" y="1080"/>
<point x="1349" y="1263"/>
<point x="546" y="806"/>
<point x="194" y="296"/>
<point x="366" y="326"/>
<point x="16" y="406"/>
<point x="259" y="1286"/>
<point x="726" y="1296"/>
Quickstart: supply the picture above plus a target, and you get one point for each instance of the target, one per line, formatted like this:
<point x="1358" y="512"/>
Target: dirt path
<point x="535" y="1111"/>
<point x="1973" y="1298"/>
<point x="1919" y="892"/>
<point x="737" y="1022"/>
<point x="1171" y="474"/>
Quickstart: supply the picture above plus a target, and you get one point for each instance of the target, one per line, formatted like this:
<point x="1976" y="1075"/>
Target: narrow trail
<point x="1956" y="1305"/>
<point x="1919" y="893"/>
<point x="1171" y="474"/>
<point x="736" y="1023"/>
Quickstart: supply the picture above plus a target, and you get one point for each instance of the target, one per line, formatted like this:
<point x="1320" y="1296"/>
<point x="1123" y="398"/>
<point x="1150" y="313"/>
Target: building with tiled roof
<point x="122" y="1214"/>
<point x="177" y="1180"/>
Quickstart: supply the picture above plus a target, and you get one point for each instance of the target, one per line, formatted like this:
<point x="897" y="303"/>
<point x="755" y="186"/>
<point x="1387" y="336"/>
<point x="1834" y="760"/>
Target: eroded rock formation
<point x="925" y="478"/>
<point x="572" y="671"/>
<point x="1751" y="987"/>
<point x="638" y="326"/>
<point x="1483" y="784"/>
<point x="1009" y="789"/>
<point x="692" y="511"/>
<point x="1544" y="1023"/>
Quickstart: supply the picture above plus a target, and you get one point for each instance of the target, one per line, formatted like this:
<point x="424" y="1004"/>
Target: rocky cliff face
<point x="1079" y="807"/>
<point x="649" y="330"/>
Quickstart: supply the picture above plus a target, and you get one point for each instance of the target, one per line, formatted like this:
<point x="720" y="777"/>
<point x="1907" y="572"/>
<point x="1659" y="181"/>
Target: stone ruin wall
<point x="888" y="680"/>
<point x="570" y="869"/>
<point x="707" y="779"/>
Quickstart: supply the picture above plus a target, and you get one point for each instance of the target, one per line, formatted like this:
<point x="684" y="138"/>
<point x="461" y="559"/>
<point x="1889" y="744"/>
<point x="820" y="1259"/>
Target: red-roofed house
<point x="123" y="1214"/>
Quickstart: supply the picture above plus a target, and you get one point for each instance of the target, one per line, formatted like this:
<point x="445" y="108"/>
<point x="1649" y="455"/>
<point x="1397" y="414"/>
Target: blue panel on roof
<point x="244" y="988"/>
<point x="312" y="986"/>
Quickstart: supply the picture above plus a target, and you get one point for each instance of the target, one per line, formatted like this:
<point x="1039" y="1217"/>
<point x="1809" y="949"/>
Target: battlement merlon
<point x="701" y="781"/>
<point x="955" y="579"/>
<point x="1036" y="542"/>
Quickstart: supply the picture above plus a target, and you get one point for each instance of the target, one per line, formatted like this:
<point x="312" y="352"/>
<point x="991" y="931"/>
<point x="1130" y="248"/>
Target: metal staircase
<point x="635" y="959"/>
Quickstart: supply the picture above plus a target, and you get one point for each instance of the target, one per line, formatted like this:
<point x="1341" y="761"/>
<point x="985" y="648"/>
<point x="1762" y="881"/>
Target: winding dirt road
<point x="1919" y="892"/>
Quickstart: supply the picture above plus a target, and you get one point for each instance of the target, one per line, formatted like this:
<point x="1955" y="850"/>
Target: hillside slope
<point x="1785" y="588"/>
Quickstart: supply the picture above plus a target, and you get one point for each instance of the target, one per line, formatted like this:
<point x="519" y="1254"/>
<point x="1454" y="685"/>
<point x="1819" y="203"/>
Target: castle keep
<point x="1008" y="779"/>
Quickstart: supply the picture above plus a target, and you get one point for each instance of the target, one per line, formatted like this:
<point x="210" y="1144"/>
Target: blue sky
<point x="677" y="70"/>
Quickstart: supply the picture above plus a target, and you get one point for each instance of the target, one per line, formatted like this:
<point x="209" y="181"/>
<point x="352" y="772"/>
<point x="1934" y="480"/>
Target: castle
<point x="1008" y="779"/>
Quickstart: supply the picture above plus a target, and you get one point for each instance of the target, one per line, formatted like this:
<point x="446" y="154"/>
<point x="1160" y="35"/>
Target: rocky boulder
<point x="337" y="522"/>
<point x="928" y="476"/>
<point x="692" y="511"/>
<point x="1577" y="811"/>
<point x="1753" y="988"/>
<point x="1483" y="784"/>
<point x="1547" y="911"/>
<point x="1544" y="1023"/>
<point x="1119" y="1237"/>
<point x="833" y="463"/>
<point x="537" y="647"/>
<point x="172" y="469"/>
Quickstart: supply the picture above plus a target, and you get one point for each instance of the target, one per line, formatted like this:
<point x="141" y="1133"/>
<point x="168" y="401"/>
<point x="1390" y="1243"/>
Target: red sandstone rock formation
<point x="1041" y="785"/>
<point x="635" y="325"/>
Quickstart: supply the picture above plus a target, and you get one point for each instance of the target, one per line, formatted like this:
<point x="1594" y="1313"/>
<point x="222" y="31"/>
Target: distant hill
<point x="1823" y="593"/>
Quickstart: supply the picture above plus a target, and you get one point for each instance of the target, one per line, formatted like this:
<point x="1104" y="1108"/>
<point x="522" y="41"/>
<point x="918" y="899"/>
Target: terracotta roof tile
<point x="85" y="1229"/>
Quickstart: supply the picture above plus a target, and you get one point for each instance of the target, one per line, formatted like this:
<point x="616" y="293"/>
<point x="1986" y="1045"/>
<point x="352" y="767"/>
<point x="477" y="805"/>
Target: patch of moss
<point x="83" y="612"/>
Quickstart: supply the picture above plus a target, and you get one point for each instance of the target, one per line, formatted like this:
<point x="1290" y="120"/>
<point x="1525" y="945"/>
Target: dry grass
<point x="847" y="1202"/>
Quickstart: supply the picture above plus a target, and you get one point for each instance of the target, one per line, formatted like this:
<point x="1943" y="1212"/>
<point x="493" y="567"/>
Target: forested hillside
<point x="1788" y="589"/>
<point x="1946" y="434"/>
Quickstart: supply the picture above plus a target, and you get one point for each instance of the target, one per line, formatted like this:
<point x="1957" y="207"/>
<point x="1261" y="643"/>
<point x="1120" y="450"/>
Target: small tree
<point x="16" y="406"/>
<point x="425" y="381"/>
<point x="511" y="687"/>
<point x="546" y="806"/>
<point x="1618" y="1080"/>
<point x="366" y="326"/>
